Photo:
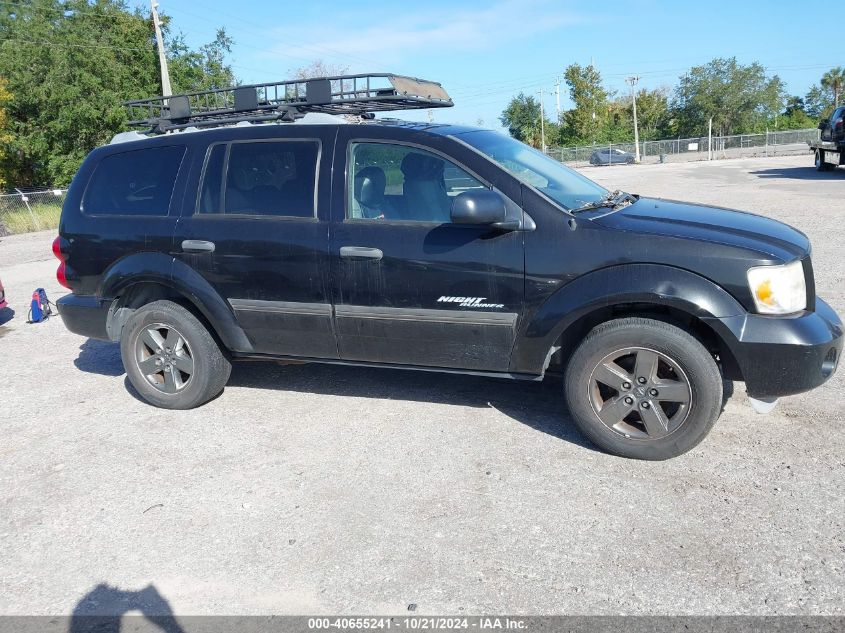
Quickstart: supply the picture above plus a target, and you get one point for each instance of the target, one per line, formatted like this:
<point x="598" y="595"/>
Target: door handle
<point x="197" y="246"/>
<point x="360" y="252"/>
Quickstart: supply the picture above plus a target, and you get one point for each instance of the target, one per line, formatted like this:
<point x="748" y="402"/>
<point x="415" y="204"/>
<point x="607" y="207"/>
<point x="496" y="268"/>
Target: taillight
<point x="58" y="243"/>
<point x="61" y="276"/>
<point x="59" y="247"/>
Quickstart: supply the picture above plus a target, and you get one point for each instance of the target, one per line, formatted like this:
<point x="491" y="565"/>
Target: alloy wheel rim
<point x="163" y="357"/>
<point x="640" y="393"/>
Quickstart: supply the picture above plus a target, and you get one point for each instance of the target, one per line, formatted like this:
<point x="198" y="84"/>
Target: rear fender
<point x="169" y="272"/>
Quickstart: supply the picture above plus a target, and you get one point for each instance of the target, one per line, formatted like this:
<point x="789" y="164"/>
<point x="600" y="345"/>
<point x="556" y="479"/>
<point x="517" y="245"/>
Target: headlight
<point x="778" y="289"/>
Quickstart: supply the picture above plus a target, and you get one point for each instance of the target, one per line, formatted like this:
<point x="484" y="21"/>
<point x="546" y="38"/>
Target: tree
<point x="739" y="98"/>
<point x="202" y="69"/>
<point x="653" y="116"/>
<point x="5" y="137"/>
<point x="318" y="68"/>
<point x="522" y="118"/>
<point x="834" y="80"/>
<point x="818" y="103"/>
<point x="587" y="121"/>
<point x="794" y="116"/>
<point x="70" y="65"/>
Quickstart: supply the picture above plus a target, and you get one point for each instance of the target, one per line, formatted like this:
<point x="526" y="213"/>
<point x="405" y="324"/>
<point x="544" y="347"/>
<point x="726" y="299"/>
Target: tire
<point x="649" y="426"/>
<point x="189" y="367"/>
<point x="629" y="161"/>
<point x="820" y="164"/>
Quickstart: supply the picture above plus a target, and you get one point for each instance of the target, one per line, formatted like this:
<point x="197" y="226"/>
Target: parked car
<point x="346" y="243"/>
<point x="608" y="156"/>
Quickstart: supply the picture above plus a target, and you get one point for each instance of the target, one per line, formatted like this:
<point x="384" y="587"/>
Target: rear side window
<point x="274" y="178"/>
<point x="139" y="182"/>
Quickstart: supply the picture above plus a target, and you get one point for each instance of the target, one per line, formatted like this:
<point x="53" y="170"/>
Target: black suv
<point x="432" y="247"/>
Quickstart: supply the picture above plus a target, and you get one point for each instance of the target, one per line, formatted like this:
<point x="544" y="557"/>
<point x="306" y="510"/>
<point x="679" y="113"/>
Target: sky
<point x="484" y="53"/>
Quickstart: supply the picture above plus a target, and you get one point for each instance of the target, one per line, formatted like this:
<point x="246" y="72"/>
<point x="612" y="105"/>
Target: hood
<point x="709" y="224"/>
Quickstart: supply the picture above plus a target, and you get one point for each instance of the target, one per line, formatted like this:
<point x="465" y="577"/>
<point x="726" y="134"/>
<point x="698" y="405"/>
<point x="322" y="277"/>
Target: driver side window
<point x="402" y="183"/>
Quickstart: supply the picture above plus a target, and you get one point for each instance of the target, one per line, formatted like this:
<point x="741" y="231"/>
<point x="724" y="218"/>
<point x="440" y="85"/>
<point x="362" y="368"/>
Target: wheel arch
<point x="569" y="339"/>
<point x="139" y="279"/>
<point x="664" y="293"/>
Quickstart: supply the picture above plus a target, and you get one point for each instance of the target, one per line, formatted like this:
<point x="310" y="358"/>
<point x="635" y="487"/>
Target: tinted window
<point x="134" y="183"/>
<point x="272" y="178"/>
<point x="396" y="182"/>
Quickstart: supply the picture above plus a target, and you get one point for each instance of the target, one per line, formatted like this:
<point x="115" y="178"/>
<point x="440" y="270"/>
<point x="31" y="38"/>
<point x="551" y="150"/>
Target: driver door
<point x="410" y="287"/>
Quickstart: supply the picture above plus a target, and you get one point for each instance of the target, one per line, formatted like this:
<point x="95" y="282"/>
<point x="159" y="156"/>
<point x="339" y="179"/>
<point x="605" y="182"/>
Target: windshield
<point x="561" y="184"/>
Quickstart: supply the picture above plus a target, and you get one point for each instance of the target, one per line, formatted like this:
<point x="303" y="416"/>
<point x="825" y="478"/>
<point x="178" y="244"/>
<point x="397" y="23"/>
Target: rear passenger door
<point x="257" y="231"/>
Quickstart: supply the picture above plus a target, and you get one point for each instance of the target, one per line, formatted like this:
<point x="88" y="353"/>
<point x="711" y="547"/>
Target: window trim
<point x="169" y="212"/>
<point x="197" y="214"/>
<point x="372" y="221"/>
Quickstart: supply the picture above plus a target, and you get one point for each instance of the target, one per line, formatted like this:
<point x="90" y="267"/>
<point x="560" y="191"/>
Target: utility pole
<point x="633" y="81"/>
<point x="162" y="60"/>
<point x="542" y="125"/>
<point x="710" y="139"/>
<point x="557" y="97"/>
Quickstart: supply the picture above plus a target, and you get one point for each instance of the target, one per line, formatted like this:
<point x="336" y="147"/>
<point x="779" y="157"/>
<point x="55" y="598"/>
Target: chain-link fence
<point x="25" y="211"/>
<point x="690" y="149"/>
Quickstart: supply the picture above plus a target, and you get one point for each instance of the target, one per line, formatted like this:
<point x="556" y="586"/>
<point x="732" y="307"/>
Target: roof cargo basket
<point x="287" y="101"/>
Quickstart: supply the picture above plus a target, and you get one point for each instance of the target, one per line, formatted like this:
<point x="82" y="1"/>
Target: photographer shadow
<point x="101" y="610"/>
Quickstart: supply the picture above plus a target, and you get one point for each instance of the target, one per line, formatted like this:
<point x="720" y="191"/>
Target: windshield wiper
<point x="613" y="200"/>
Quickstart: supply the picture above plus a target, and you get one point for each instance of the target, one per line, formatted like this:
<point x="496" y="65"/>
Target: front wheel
<point x="643" y="389"/>
<point x="171" y="358"/>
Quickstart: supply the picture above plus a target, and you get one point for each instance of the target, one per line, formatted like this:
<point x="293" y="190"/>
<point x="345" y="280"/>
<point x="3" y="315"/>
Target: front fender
<point x="171" y="273"/>
<point x="652" y="284"/>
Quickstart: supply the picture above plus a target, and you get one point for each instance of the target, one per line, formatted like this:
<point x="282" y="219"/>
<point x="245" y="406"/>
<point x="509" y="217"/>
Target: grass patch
<point x="46" y="216"/>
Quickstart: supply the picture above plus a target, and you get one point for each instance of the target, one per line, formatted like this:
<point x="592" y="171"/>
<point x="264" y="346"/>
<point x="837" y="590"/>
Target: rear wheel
<point x="644" y="389"/>
<point x="170" y="357"/>
<point x="820" y="164"/>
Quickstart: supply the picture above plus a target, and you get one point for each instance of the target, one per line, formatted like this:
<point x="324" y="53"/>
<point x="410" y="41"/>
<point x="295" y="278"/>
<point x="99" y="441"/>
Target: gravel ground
<point x="319" y="489"/>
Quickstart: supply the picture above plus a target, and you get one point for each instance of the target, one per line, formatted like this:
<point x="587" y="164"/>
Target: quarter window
<point x="264" y="178"/>
<point x="139" y="182"/>
<point x="397" y="182"/>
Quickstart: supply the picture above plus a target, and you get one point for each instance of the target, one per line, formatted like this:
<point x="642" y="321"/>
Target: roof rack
<point x="287" y="101"/>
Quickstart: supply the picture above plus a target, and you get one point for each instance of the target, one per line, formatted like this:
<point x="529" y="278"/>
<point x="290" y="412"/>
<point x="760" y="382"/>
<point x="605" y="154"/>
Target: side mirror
<point x="478" y="206"/>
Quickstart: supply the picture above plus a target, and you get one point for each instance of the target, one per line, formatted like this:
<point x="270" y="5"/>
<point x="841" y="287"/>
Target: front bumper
<point x="781" y="356"/>
<point x="87" y="316"/>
